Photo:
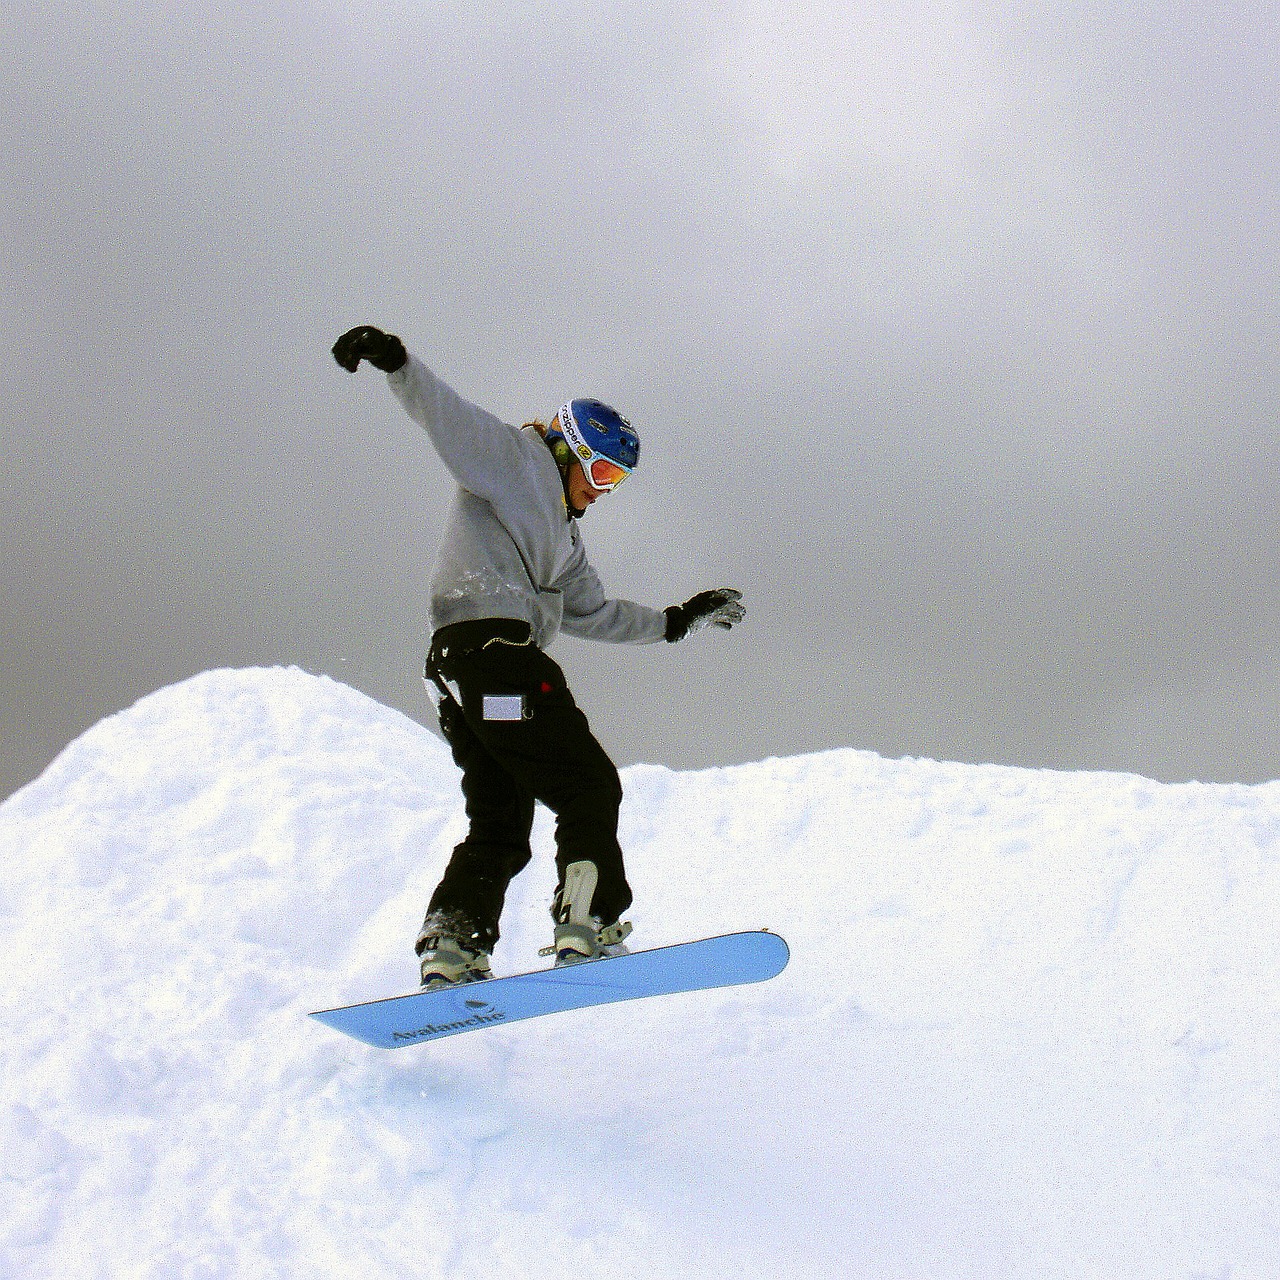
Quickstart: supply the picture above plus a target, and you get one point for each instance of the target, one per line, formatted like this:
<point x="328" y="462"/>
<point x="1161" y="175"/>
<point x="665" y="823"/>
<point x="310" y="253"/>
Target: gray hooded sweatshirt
<point x="510" y="548"/>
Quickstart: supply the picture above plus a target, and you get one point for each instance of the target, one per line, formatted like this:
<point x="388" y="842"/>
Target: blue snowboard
<point x="688" y="966"/>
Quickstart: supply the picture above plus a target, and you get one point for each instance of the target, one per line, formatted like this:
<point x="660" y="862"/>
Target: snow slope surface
<point x="1031" y="1025"/>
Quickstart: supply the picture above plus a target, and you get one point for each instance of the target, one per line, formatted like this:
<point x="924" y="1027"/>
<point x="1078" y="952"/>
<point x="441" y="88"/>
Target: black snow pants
<point x="518" y="737"/>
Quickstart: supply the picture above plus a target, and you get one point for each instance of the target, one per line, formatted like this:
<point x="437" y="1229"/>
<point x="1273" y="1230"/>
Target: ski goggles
<point x="602" y="473"/>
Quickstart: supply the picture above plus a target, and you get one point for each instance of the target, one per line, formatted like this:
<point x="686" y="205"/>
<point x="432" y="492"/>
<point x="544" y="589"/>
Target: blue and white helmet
<point x="602" y="440"/>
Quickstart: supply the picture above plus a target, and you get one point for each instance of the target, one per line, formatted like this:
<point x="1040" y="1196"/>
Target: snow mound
<point x="1031" y="1025"/>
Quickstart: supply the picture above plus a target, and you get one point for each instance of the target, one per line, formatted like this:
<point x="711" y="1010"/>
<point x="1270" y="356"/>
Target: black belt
<point x="461" y="638"/>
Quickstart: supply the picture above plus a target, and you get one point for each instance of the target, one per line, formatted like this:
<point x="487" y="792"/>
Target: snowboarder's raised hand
<point x="719" y="607"/>
<point x="382" y="350"/>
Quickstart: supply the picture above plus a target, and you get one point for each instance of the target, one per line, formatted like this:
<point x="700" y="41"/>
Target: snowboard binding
<point x="579" y="935"/>
<point x="447" y="963"/>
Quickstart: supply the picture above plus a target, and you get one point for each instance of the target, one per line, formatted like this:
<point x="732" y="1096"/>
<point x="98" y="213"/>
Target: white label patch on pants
<point x="504" y="706"/>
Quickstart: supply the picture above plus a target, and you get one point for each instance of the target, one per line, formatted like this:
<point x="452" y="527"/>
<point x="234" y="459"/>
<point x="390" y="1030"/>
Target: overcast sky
<point x="950" y="332"/>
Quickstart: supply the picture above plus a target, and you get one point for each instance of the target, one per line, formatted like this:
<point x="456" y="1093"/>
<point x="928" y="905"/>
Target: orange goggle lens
<point x="605" y="473"/>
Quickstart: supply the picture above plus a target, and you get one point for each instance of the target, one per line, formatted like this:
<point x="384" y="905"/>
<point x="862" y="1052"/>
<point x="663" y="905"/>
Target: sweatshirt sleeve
<point x="479" y="449"/>
<point x="591" y="615"/>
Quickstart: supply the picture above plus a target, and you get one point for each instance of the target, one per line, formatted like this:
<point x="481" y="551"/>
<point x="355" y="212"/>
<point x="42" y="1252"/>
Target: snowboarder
<point x="511" y="573"/>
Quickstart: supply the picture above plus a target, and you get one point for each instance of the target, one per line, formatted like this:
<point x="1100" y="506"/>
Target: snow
<point x="1031" y="1025"/>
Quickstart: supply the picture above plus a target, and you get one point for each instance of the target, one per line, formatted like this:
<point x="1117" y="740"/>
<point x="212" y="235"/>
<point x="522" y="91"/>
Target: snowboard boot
<point x="580" y="935"/>
<point x="447" y="963"/>
<point x="449" y="952"/>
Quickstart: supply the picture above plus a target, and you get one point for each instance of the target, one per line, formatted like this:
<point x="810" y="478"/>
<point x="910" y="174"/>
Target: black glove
<point x="719" y="607"/>
<point x="382" y="350"/>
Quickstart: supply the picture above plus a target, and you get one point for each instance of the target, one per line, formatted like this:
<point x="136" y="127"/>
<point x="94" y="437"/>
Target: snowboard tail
<point x="728" y="960"/>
